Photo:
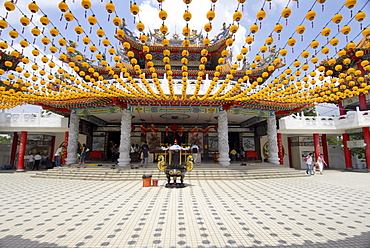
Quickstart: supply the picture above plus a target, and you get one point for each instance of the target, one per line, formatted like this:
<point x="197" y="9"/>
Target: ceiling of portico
<point x="173" y="118"/>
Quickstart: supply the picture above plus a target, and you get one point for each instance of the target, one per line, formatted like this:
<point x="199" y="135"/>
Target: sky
<point x="224" y="10"/>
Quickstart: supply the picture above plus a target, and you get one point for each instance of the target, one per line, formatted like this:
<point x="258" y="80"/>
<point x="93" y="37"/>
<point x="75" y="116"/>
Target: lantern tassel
<point x="298" y="4"/>
<point x="90" y="30"/>
<point x="286" y="21"/>
<point x="66" y="26"/>
<point x="61" y="17"/>
<point x="85" y="13"/>
<point x="270" y="5"/>
<point x="278" y="36"/>
<point x="322" y="8"/>
<point x="301" y="37"/>
<point x="312" y="25"/>
<point x="23" y="30"/>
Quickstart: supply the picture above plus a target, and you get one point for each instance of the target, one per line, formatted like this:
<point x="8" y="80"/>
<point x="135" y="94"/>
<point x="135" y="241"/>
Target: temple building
<point x="157" y="87"/>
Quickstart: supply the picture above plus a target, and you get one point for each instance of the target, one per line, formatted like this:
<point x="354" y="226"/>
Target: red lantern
<point x="174" y="127"/>
<point x="132" y="128"/>
<point x="216" y="127"/>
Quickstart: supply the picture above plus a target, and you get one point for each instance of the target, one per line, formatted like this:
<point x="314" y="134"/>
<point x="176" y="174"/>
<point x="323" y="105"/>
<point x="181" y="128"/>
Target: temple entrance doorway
<point x="113" y="144"/>
<point x="234" y="142"/>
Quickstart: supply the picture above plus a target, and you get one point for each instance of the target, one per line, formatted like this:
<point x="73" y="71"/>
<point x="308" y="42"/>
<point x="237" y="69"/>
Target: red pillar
<point x="64" y="156"/>
<point x="22" y="151"/>
<point x="52" y="148"/>
<point x="366" y="133"/>
<point x="280" y="147"/>
<point x="14" y="148"/>
<point x="362" y="99"/>
<point x="290" y="153"/>
<point x="316" y="143"/>
<point x="342" y="111"/>
<point x="325" y="149"/>
<point x="347" y="151"/>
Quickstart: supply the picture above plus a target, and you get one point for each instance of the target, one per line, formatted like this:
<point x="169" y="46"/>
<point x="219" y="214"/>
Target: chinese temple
<point x="123" y="86"/>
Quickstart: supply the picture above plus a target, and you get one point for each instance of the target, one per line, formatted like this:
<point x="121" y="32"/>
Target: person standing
<point x="37" y="161"/>
<point x="309" y="161"/>
<point x="31" y="160"/>
<point x="145" y="153"/>
<point x="321" y="162"/>
<point x="83" y="154"/>
<point x="132" y="152"/>
<point x="58" y="156"/>
<point x="195" y="150"/>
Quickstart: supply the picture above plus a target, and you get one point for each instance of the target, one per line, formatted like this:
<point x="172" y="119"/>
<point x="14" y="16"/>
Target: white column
<point x="272" y="139"/>
<point x="124" y="148"/>
<point x="74" y="124"/>
<point x="223" y="139"/>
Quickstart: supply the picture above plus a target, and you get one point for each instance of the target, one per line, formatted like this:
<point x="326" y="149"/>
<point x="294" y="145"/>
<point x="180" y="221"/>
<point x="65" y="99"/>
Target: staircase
<point x="198" y="173"/>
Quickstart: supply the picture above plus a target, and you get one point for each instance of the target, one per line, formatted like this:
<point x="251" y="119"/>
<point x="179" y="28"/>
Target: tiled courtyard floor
<point x="332" y="210"/>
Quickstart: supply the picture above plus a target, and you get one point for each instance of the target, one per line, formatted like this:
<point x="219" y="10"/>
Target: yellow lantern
<point x="253" y="28"/>
<point x="9" y="5"/>
<point x="24" y="20"/>
<point x="351" y="45"/>
<point x="134" y="9"/>
<point x="261" y="15"/>
<point x="79" y="30"/>
<point x="208" y="27"/>
<point x="305" y="54"/>
<point x="86" y="4"/>
<point x="360" y="16"/>
<point x="296" y="63"/>
<point x="334" y="41"/>
<point x="163" y="29"/>
<point x="105" y="42"/>
<point x="269" y="40"/>
<point x="342" y="53"/>
<point x="314" y="44"/>
<point x="311" y="15"/>
<point x="92" y="20"/>
<point x="244" y="50"/>
<point x="3" y="24"/>
<point x="54" y="32"/>
<point x="237" y="16"/>
<point x="366" y="32"/>
<point x="44" y="20"/>
<point x="314" y="60"/>
<point x="350" y="3"/>
<point x="162" y="15"/>
<point x="186" y="43"/>
<point x="234" y="28"/>
<point x="249" y="40"/>
<point x="263" y="49"/>
<point x="116" y="21"/>
<point x="278" y="28"/>
<point x="286" y="12"/>
<point x="187" y="16"/>
<point x="337" y="18"/>
<point x="23" y="44"/>
<point x="140" y="26"/>
<point x="69" y="16"/>
<point x="325" y="32"/>
<point x="109" y="7"/>
<point x="63" y="6"/>
<point x="143" y="38"/>
<point x="345" y="30"/>
<point x="283" y="52"/>
<point x="325" y="50"/>
<point x="211" y="15"/>
<point x="291" y="42"/>
<point x="229" y="42"/>
<point x="300" y="29"/>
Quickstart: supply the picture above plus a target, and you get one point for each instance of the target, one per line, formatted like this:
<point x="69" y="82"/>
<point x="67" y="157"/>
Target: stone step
<point x="103" y="174"/>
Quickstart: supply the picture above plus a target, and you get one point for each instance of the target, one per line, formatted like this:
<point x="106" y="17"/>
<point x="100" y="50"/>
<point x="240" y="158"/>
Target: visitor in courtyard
<point x="321" y="162"/>
<point x="58" y="156"/>
<point x="83" y="154"/>
<point x="309" y="163"/>
<point x="114" y="150"/>
<point x="233" y="154"/>
<point x="37" y="161"/>
<point x="31" y="160"/>
<point x="195" y="150"/>
<point x="132" y="152"/>
<point x="144" y="154"/>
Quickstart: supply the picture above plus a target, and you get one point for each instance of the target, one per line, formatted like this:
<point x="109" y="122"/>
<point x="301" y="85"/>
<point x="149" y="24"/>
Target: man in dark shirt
<point x="144" y="153"/>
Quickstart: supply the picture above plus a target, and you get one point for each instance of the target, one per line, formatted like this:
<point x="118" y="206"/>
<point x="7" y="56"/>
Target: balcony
<point x="298" y="123"/>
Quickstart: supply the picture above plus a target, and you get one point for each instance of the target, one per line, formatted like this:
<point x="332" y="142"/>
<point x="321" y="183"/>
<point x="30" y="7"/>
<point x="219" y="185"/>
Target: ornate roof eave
<point x="139" y="46"/>
<point x="64" y="106"/>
